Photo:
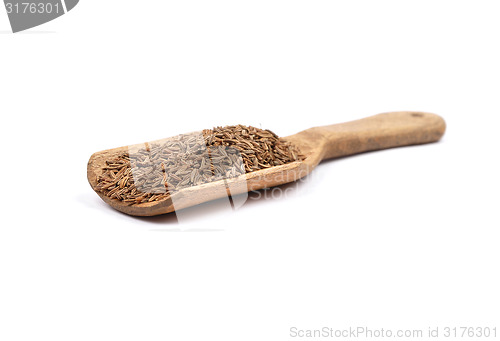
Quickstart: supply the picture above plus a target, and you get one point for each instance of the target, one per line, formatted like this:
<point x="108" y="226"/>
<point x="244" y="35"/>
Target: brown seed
<point x="192" y="159"/>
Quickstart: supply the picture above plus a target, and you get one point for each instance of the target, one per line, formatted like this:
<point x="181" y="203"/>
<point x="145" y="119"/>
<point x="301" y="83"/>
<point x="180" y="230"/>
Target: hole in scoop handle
<point x="388" y="130"/>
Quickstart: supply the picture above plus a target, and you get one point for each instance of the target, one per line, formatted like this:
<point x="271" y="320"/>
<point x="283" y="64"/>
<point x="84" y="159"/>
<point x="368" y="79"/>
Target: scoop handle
<point x="388" y="130"/>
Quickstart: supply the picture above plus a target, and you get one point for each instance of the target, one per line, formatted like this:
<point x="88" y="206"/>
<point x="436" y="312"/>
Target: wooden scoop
<point x="381" y="131"/>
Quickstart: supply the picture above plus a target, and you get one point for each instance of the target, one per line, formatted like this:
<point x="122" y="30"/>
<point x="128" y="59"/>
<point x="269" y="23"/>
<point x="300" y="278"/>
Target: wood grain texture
<point x="377" y="132"/>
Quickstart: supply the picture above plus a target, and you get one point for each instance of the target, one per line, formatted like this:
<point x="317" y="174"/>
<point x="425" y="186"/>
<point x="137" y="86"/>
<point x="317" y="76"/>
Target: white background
<point x="403" y="238"/>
